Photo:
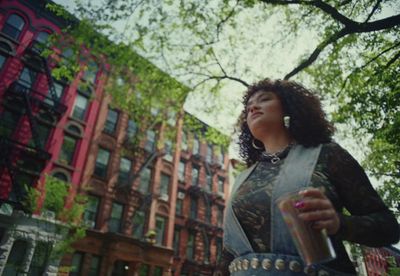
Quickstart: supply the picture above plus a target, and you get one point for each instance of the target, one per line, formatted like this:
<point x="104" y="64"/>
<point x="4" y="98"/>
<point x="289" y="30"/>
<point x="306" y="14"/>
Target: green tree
<point x="355" y="61"/>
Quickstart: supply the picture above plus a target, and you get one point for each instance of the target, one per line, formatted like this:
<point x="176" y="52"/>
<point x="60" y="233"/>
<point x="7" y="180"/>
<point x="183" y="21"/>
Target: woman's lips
<point x="256" y="114"/>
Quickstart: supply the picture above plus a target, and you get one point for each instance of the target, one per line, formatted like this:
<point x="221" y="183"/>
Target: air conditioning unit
<point x="181" y="195"/>
<point x="164" y="197"/>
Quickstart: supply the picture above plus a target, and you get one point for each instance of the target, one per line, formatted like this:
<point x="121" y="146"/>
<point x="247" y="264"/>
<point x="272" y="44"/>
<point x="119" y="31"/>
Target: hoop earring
<point x="286" y="121"/>
<point x="255" y="146"/>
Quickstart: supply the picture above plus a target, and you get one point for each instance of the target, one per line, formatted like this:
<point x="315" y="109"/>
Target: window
<point x="95" y="265"/>
<point x="55" y="93"/>
<point x="90" y="214"/>
<point x="193" y="208"/>
<point x="190" y="247"/>
<point x="164" y="184"/>
<point x="221" y="158"/>
<point x="13" y="26"/>
<point x="196" y="146"/>
<point x="206" y="249"/>
<point x="160" y="229"/>
<point x="111" y="121"/>
<point x="27" y="77"/>
<point x="76" y="268"/>
<point x="90" y="73"/>
<point x="43" y="132"/>
<point x="103" y="157"/>
<point x="68" y="150"/>
<point x="58" y="90"/>
<point x="209" y="154"/>
<point x="195" y="176"/>
<point x="131" y="129"/>
<point x="61" y="176"/>
<point x="181" y="171"/>
<point x="39" y="259"/>
<point x="219" y="249"/>
<point x="40" y="41"/>
<point x="221" y="185"/>
<point x="209" y="182"/>
<point x="177" y="240"/>
<point x="184" y="145"/>
<point x="115" y="222"/>
<point x="158" y="271"/>
<point x="208" y="212"/>
<point x="138" y="224"/>
<point x="151" y="140"/>
<point x="16" y="258"/>
<point x="8" y="122"/>
<point x="119" y="268"/>
<point x="168" y="151"/>
<point x="220" y="216"/>
<point x="171" y="118"/>
<point x="179" y="206"/>
<point x="124" y="170"/>
<point x="2" y="60"/>
<point x="145" y="178"/>
<point x="80" y="107"/>
<point x="144" y="270"/>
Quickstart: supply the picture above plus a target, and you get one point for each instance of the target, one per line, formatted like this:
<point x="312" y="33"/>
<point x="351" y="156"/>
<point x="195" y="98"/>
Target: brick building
<point x="381" y="261"/>
<point x="154" y="207"/>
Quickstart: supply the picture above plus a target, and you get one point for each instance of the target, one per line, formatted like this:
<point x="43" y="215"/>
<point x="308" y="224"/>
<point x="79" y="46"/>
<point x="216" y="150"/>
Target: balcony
<point x="17" y="92"/>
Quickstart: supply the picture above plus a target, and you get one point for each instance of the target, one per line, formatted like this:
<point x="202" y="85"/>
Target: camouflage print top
<point x="346" y="185"/>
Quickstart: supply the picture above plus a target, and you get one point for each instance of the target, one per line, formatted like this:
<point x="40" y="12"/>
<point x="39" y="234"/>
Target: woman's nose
<point x="253" y="107"/>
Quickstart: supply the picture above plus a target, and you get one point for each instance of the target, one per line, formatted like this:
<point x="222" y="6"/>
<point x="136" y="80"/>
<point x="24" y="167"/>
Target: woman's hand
<point x="318" y="209"/>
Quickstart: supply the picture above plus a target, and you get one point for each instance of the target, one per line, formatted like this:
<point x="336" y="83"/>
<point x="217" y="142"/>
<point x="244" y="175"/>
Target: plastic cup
<point x="313" y="246"/>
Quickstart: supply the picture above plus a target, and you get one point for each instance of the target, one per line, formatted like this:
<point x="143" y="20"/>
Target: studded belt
<point x="257" y="264"/>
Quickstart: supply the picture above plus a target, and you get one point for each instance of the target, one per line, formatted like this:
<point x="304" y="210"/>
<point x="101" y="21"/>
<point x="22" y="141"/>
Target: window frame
<point x="102" y="167"/>
<point x="19" y="31"/>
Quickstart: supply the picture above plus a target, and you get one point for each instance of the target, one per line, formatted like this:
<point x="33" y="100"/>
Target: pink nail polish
<point x="299" y="204"/>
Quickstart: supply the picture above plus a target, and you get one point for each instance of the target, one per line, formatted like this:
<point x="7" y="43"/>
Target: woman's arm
<point x="371" y="222"/>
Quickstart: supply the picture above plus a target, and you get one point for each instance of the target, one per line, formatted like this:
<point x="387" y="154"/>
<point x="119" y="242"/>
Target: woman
<point x="284" y="133"/>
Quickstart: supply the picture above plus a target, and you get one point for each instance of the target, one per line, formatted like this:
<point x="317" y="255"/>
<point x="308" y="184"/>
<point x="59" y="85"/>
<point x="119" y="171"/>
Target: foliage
<point x="69" y="217"/>
<point x="204" y="132"/>
<point x="56" y="193"/>
<point x="393" y="269"/>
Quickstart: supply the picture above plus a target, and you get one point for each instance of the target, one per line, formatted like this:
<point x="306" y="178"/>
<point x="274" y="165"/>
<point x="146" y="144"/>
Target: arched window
<point x="40" y="41"/>
<point x="42" y="37"/>
<point x="61" y="176"/>
<point x="13" y="26"/>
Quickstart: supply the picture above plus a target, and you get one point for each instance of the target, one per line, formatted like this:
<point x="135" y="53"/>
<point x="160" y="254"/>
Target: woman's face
<point x="264" y="113"/>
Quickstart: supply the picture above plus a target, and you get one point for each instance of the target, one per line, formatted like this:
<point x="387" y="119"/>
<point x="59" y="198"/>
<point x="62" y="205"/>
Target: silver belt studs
<point x="279" y="264"/>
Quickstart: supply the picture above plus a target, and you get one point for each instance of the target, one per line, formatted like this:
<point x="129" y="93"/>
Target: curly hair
<point x="308" y="124"/>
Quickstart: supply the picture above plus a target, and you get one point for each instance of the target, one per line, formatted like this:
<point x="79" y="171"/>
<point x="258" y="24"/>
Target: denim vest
<point x="294" y="174"/>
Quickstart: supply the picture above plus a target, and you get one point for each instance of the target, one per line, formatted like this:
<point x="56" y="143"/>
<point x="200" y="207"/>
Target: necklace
<point x="276" y="156"/>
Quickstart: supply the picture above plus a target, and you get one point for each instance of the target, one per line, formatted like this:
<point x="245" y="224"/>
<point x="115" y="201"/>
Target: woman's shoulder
<point x="333" y="148"/>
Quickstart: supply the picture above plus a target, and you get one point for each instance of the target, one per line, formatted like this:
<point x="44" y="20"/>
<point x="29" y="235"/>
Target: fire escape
<point x="22" y="161"/>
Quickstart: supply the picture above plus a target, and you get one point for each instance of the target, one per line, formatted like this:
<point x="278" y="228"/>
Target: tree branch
<point x="219" y="78"/>
<point x="376" y="6"/>
<point x="366" y="64"/>
<point x="328" y="9"/>
<point x="356" y="27"/>
<point x="314" y="55"/>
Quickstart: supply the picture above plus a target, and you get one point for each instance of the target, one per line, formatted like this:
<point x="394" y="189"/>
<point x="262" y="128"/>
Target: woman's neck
<point x="276" y="142"/>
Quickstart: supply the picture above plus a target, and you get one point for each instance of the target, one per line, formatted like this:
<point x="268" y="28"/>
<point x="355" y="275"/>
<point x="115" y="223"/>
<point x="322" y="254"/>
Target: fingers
<point x="309" y="204"/>
<point x="316" y="208"/>
<point x="313" y="192"/>
<point x="317" y="215"/>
